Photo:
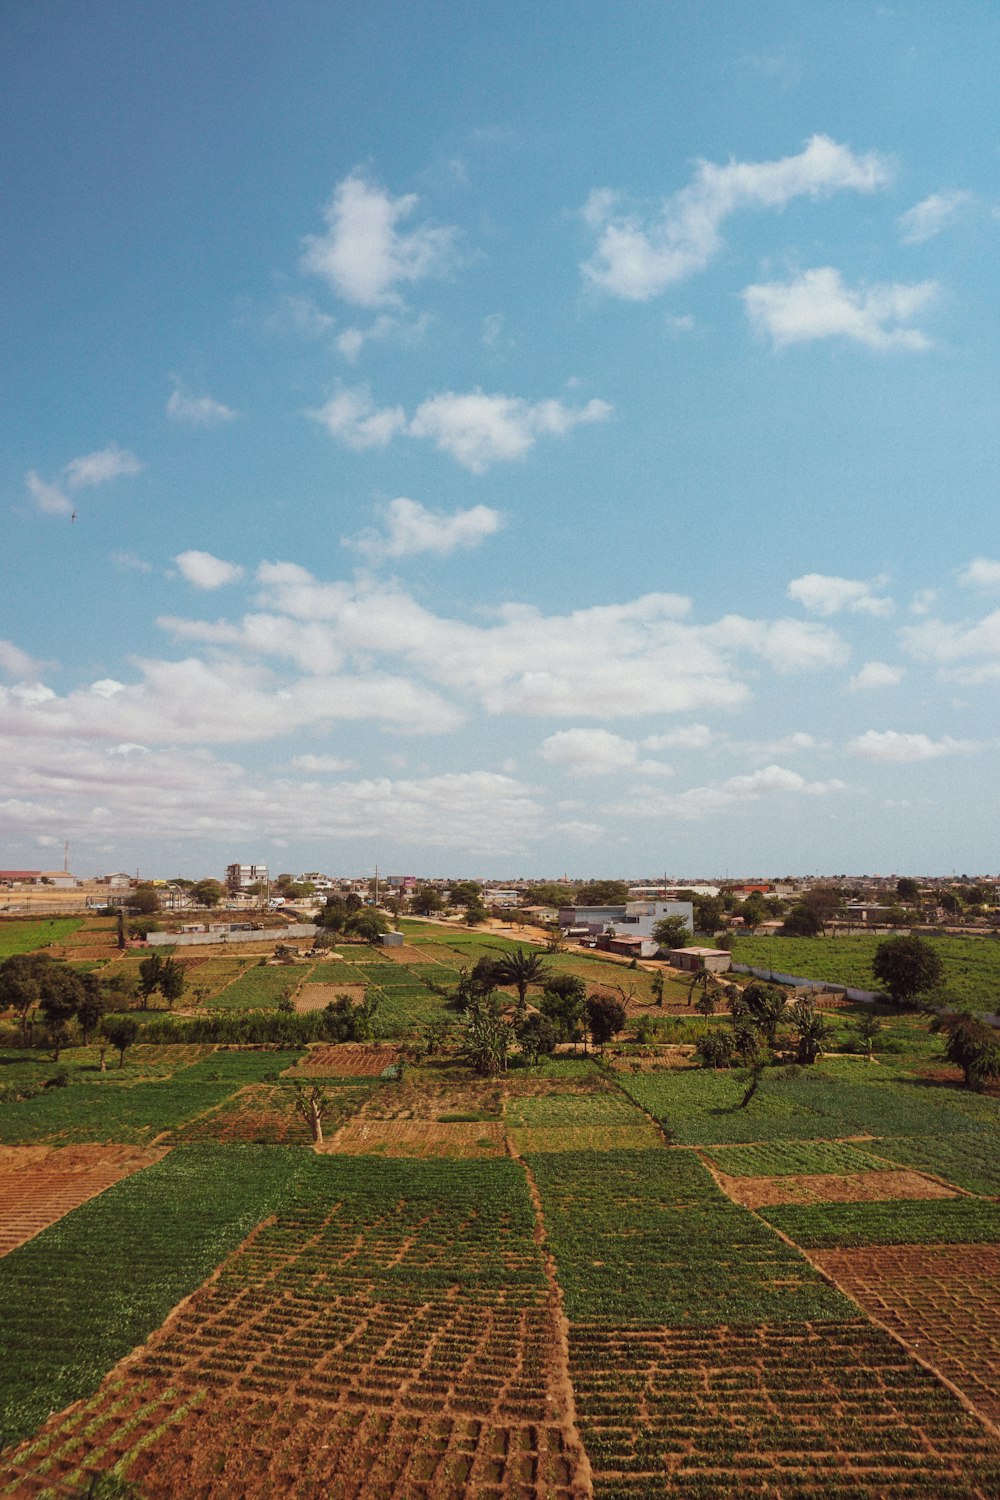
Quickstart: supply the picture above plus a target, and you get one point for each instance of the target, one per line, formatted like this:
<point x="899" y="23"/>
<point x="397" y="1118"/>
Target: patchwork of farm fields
<point x="563" y="1281"/>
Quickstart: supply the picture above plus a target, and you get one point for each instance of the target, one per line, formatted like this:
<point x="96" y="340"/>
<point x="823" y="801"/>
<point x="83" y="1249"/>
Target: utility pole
<point x="376" y="885"/>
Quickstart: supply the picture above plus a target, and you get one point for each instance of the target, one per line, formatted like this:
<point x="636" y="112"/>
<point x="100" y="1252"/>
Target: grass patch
<point x="29" y="936"/>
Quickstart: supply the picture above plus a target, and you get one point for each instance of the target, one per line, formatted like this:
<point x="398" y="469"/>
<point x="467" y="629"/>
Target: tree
<point x="753" y="911"/>
<point x="716" y="1049"/>
<point x="20" y="989"/>
<point x="971" y="1045"/>
<point x="172" y="982"/>
<point x="143" y="901"/>
<point x="332" y="916"/>
<point x="764" y="1006"/>
<point x="521" y="967"/>
<point x="208" y="892"/>
<point x="487" y="1043"/>
<point x="908" y="890"/>
<point x="94" y="1005"/>
<point x="150" y="971"/>
<point x="951" y="901"/>
<point x="824" y="901"/>
<point x="548" y="893"/>
<point x="562" y="1003"/>
<point x="122" y="938"/>
<point x="62" y="991"/>
<point x="426" y="900"/>
<point x="802" y="921"/>
<point x="657" y="987"/>
<point x="465" y="891"/>
<point x="868" y="1027"/>
<point x="907" y="967"/>
<point x="602" y="893"/>
<point x="708" y="912"/>
<point x="606" y="1018"/>
<point x="475" y="913"/>
<point x="121" y="1032"/>
<point x="537" y="1037"/>
<point x="811" y="1030"/>
<point x="671" y="932"/>
<point x="367" y="924"/>
<point x="312" y="1104"/>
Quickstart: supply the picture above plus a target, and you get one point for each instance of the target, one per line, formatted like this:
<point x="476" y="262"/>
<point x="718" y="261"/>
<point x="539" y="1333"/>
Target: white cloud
<point x="17" y="663"/>
<point x="597" y="752"/>
<point x="474" y="428"/>
<point x="923" y="601"/>
<point x="128" y="562"/>
<point x="637" y="260"/>
<point x="353" y="419"/>
<point x="478" y="429"/>
<point x="711" y="800"/>
<point x="927" y="218"/>
<point x="364" y="255"/>
<point x="686" y="737"/>
<point x="324" y="765"/>
<point x="298" y="314"/>
<point x="200" y="411"/>
<point x="205" y="571"/>
<point x="818" y="305"/>
<point x="874" y="675"/>
<point x="891" y="746"/>
<point x="411" y="530"/>
<point x="48" y="497"/>
<point x="981" y="573"/>
<point x="968" y="653"/>
<point x="106" y="464"/>
<point x="825" y="595"/>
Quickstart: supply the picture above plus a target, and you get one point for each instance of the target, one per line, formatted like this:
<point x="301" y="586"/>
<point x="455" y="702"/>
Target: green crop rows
<point x="949" y="1221"/>
<point x="29" y="936"/>
<point x="98" y="1282"/>
<point x="259" y="988"/>
<point x="793" y="1158"/>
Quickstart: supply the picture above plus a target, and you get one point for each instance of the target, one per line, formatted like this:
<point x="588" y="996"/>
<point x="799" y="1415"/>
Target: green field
<point x="971" y="965"/>
<point x="28" y="936"/>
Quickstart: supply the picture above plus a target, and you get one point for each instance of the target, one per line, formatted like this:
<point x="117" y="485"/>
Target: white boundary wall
<point x="256" y="935"/>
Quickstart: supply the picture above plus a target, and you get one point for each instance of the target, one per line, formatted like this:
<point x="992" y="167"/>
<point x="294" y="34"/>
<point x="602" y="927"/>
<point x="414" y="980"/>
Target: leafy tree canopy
<point x="907" y="967"/>
<point x="602" y="893"/>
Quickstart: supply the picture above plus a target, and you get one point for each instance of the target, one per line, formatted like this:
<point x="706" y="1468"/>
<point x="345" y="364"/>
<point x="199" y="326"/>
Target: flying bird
<point x="73" y="516"/>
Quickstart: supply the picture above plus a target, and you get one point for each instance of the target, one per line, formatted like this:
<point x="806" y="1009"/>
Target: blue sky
<point x="500" y="438"/>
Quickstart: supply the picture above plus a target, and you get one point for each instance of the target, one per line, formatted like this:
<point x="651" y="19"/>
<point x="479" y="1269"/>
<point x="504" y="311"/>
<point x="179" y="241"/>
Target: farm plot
<point x="82" y="1294"/>
<point x="833" y="1409"/>
<point x="594" y="1121"/>
<point x="259" y="987"/>
<point x="956" y="1221"/>
<point x="792" y="1158"/>
<point x="856" y="1187"/>
<point x="417" y="1138"/>
<point x="29" y="936"/>
<point x="265" y="1113"/>
<point x="310" y="997"/>
<point x="39" y="1184"/>
<point x="938" y="1300"/>
<point x="390" y="1331"/>
<point x="344" y="1060"/>
<point x="210" y="976"/>
<point x="970" y="1160"/>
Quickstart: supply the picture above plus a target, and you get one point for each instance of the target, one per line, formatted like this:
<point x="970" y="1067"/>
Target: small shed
<point x="390" y="939"/>
<point x="716" y="960"/>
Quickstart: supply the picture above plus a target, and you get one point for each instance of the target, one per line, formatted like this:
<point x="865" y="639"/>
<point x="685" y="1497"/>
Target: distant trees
<point x="671" y="932"/>
<point x="144" y="901"/>
<point x="163" y="974"/>
<point x="208" y="892"/>
<point x="708" y="913"/>
<point x="907" y="967"/>
<point x="602" y="893"/>
<point x="908" y="890"/>
<point x="426" y="900"/>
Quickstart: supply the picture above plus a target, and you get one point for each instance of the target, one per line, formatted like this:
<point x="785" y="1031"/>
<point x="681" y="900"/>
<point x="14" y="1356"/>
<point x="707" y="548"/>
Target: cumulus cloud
<point x="684" y="737"/>
<point x="968" y="653"/>
<point x="17" y="663"/>
<point x="365" y="255"/>
<point x="637" y="259"/>
<point x="475" y="428"/>
<point x="205" y="571"/>
<point x="478" y="429"/>
<point x="708" y="801"/>
<point x="106" y="464"/>
<point x="200" y="411"/>
<point x="819" y="305"/>
<point x="928" y="217"/>
<point x="823" y="594"/>
<point x="597" y="752"/>
<point x="352" y="417"/>
<point x="874" y="675"/>
<point x="130" y="562"/>
<point x="411" y="530"/>
<point x="324" y="765"/>
<point x="891" y="746"/>
<point x="49" y="498"/>
<point x="981" y="573"/>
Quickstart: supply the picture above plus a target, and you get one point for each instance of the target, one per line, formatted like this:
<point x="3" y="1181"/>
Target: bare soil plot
<point x="344" y="1060"/>
<point x="39" y="1184"/>
<point x="434" y="1099"/>
<point x="418" y="1138"/>
<point x="261" y="1112"/>
<point x="318" y="996"/>
<point x="408" y="953"/>
<point x="791" y="1411"/>
<point x="855" y="1187"/>
<point x="942" y="1301"/>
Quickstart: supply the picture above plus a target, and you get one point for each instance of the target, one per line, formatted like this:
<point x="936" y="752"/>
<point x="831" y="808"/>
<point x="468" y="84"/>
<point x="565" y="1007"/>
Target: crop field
<point x="259" y="987"/>
<point x="389" y="1330"/>
<point x="29" y="936"/>
<point x="939" y="1300"/>
<point x="971" y="965"/>
<point x="39" y="1184"/>
<point x="566" y="1280"/>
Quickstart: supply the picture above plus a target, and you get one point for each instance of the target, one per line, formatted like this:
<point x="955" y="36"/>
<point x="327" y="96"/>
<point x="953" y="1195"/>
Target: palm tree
<point x="521" y="967"/>
<point x="812" y="1031"/>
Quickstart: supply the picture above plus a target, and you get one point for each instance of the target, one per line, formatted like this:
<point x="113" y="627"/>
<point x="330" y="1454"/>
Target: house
<point x="716" y="960"/>
<point x="634" y="920"/>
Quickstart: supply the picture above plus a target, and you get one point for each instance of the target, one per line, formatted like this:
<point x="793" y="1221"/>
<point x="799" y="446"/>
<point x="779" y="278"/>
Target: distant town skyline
<point x="470" y="443"/>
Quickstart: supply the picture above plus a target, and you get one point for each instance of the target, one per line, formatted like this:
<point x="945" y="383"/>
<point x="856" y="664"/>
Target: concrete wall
<point x="201" y="939"/>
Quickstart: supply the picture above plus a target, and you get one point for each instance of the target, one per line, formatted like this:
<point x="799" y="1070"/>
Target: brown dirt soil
<point x="855" y="1187"/>
<point x="280" y="1377"/>
<point x="428" y="1099"/>
<point x="39" y="1184"/>
<point x="408" y="953"/>
<point x="942" y="1301"/>
<point x="343" y="1060"/>
<point x="423" y="1138"/>
<point x="793" y="1410"/>
<point x="318" y="996"/>
<point x="673" y="1056"/>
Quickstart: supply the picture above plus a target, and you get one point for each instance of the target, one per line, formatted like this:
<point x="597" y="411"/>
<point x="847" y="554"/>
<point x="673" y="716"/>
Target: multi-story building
<point x="240" y="878"/>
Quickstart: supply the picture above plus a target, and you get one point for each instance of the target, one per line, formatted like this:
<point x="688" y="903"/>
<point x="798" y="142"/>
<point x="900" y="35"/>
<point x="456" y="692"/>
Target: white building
<point x="242" y="877"/>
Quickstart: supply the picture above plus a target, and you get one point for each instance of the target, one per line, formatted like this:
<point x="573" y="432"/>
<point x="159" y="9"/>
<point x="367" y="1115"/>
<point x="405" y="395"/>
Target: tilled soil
<point x="39" y="1184"/>
<point x="856" y="1187"/>
<point x="317" y="996"/>
<point x="942" y="1301"/>
<point x="419" y="1138"/>
<point x="344" y="1060"/>
<point x="791" y="1412"/>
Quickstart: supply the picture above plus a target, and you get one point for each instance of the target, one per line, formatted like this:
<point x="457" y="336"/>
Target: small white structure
<point x="716" y="960"/>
